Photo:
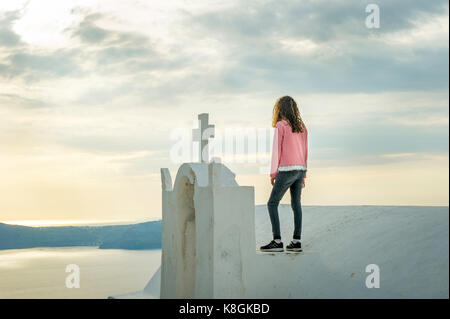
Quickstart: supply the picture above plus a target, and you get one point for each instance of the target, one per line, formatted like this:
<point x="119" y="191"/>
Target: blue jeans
<point x="292" y="180"/>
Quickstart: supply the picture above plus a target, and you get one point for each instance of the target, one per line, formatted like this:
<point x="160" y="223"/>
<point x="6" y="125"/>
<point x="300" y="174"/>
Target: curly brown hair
<point x="286" y="109"/>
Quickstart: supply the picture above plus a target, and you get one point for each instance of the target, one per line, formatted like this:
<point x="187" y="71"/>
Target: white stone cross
<point x="202" y="135"/>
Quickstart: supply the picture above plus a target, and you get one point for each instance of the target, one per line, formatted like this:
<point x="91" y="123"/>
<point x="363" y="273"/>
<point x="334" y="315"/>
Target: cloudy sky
<point x="91" y="89"/>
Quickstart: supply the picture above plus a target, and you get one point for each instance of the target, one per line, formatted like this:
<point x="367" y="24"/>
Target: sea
<point x="74" y="272"/>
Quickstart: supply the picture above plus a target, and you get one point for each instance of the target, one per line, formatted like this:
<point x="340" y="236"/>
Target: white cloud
<point x="426" y="31"/>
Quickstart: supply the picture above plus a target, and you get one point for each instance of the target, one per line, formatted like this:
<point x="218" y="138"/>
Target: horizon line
<point x="62" y="223"/>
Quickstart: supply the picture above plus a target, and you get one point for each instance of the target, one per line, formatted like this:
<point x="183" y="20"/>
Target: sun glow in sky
<point x="90" y="90"/>
<point x="67" y="222"/>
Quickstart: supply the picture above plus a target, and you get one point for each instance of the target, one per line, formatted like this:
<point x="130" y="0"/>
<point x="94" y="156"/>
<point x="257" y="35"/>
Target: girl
<point x="288" y="169"/>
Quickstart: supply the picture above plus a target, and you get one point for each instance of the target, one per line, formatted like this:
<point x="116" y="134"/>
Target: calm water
<point x="41" y="272"/>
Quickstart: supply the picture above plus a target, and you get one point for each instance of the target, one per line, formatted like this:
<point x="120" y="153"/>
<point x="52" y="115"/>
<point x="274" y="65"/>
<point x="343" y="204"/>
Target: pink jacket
<point x="288" y="148"/>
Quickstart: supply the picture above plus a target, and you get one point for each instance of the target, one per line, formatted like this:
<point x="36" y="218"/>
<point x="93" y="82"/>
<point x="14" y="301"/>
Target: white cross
<point x="202" y="135"/>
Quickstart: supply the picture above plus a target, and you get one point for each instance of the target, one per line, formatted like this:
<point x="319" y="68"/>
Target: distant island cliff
<point x="135" y="236"/>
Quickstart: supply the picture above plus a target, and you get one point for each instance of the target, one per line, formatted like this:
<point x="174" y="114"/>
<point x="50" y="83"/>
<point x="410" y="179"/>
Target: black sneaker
<point x="294" y="246"/>
<point x="273" y="246"/>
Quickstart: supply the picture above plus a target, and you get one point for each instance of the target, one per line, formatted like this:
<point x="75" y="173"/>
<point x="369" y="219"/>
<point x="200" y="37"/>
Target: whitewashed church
<point x="209" y="247"/>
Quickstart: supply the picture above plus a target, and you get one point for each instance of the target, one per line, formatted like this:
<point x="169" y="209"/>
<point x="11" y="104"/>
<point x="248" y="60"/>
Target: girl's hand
<point x="303" y="183"/>
<point x="272" y="180"/>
